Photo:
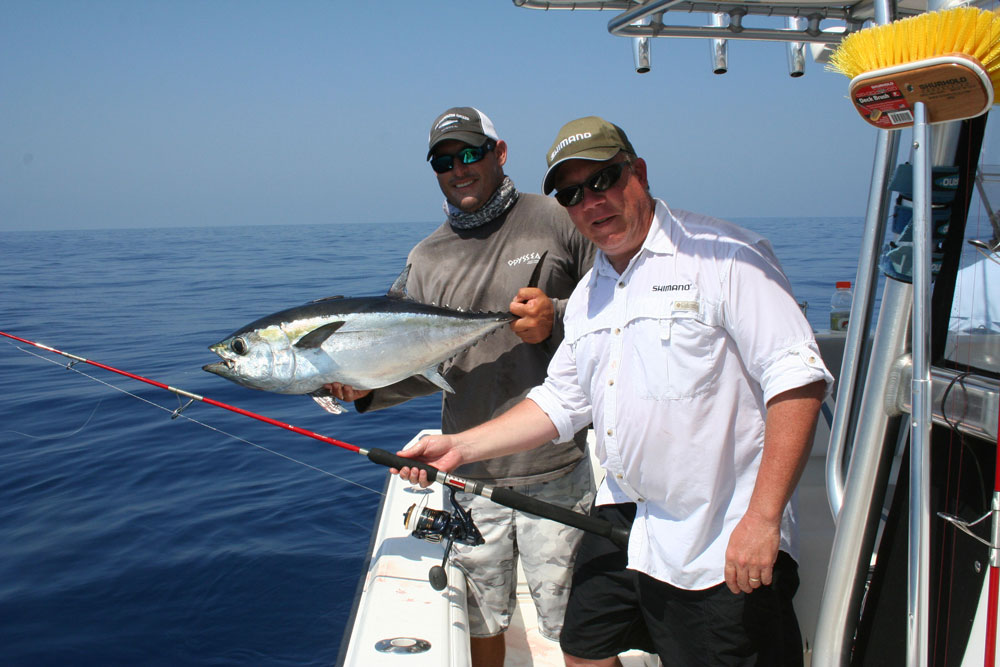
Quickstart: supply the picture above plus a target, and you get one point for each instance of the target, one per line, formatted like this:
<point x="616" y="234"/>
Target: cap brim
<point x="471" y="138"/>
<point x="592" y="154"/>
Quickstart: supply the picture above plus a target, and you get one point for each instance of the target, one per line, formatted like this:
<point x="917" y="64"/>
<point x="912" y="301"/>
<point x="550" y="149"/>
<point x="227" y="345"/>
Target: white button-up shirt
<point x="673" y="362"/>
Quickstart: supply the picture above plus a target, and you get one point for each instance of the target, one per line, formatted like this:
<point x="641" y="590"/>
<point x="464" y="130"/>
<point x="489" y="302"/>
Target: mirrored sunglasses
<point x="468" y="155"/>
<point x="600" y="181"/>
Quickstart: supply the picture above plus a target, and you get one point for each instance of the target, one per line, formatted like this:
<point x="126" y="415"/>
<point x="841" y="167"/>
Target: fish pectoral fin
<point x="434" y="376"/>
<point x="318" y="336"/>
<point x="398" y="289"/>
<point x="328" y="402"/>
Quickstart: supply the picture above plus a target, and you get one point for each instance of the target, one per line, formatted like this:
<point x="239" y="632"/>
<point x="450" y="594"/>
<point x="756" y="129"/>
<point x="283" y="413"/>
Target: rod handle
<point x="508" y="498"/>
<point x="389" y="460"/>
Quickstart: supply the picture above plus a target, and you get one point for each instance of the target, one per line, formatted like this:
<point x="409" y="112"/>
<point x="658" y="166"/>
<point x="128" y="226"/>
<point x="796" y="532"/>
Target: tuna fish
<point x="365" y="342"/>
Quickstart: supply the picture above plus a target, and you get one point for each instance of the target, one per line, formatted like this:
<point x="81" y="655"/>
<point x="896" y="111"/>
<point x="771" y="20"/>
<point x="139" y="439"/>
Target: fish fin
<point x="537" y="273"/>
<point x="328" y="402"/>
<point x="398" y="289"/>
<point x="328" y="298"/>
<point x="318" y="336"/>
<point x="434" y="376"/>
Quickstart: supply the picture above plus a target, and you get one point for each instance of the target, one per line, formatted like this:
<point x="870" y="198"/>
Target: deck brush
<point x="949" y="60"/>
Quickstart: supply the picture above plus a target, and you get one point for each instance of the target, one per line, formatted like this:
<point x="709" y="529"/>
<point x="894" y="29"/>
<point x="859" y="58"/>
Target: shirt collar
<point x="658" y="242"/>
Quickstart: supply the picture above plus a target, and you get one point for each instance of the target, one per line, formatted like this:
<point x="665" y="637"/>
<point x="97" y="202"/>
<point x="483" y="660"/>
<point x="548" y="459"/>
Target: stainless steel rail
<point x="867" y="477"/>
<point x="625" y="24"/>
<point x="859" y="325"/>
<point x="646" y="19"/>
<point x="965" y="401"/>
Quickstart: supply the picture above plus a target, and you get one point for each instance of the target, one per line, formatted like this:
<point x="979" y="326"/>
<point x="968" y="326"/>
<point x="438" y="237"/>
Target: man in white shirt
<point x="687" y="351"/>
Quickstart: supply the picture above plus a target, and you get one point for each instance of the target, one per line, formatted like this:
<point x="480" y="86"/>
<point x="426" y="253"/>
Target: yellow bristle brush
<point x="949" y="60"/>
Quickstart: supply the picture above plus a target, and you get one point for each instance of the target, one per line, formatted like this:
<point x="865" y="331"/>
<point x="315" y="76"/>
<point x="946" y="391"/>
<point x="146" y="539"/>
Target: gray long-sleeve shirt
<point x="482" y="269"/>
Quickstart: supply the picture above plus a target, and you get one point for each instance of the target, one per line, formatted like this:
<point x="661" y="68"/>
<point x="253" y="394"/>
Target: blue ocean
<point x="129" y="536"/>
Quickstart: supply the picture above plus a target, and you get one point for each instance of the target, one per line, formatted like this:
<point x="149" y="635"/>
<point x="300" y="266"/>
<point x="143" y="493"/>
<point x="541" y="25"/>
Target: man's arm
<point x="788" y="435"/>
<point x="525" y="426"/>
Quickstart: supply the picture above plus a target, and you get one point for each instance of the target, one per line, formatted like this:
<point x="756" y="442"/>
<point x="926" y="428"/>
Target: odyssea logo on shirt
<point x="529" y="258"/>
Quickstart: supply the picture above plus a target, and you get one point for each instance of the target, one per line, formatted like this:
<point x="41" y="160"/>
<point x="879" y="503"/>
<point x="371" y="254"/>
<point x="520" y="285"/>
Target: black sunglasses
<point x="599" y="181"/>
<point x="468" y="155"/>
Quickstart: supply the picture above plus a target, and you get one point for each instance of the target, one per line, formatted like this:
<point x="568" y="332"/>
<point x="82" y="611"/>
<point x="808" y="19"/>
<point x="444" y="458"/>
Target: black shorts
<point x="612" y="609"/>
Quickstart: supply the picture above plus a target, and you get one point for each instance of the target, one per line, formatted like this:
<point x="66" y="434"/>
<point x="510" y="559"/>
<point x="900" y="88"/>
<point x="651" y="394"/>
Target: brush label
<point x="883" y="105"/>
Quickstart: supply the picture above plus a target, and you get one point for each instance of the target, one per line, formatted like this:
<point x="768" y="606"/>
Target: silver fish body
<point x="365" y="342"/>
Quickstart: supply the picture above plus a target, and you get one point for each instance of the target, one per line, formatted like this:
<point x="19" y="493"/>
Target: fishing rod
<point x="993" y="589"/>
<point x="499" y="495"/>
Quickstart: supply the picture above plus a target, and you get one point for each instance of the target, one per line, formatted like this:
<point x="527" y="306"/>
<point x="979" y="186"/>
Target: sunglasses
<point x="469" y="155"/>
<point x="600" y="181"/>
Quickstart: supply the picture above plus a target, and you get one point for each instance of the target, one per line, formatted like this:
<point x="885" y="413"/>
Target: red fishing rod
<point x="993" y="596"/>
<point x="189" y="395"/>
<point x="499" y="495"/>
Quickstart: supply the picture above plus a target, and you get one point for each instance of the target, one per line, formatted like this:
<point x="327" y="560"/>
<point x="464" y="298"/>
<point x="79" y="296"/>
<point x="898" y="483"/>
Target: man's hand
<point x="535" y="314"/>
<point x="346" y="392"/>
<point x="523" y="427"/>
<point x="752" y="551"/>
<point x="440" y="451"/>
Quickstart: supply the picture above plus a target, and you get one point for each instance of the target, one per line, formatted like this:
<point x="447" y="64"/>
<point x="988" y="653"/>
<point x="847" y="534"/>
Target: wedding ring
<point x="754" y="579"/>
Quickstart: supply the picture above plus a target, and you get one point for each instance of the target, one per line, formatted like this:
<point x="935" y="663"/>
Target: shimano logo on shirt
<point x="671" y="288"/>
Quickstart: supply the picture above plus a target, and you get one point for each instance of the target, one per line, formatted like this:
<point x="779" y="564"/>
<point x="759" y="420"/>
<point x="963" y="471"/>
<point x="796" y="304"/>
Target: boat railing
<point x="647" y="19"/>
<point x="964" y="401"/>
<point x="867" y="479"/>
<point x="857" y="347"/>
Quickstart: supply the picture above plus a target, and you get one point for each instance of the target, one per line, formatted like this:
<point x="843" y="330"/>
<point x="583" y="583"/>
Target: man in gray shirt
<point x="481" y="259"/>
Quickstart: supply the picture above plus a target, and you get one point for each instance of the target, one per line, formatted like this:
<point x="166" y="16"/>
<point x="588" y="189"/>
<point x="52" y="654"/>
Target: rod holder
<point x="796" y="50"/>
<point x="640" y="54"/>
<point x="640" y="48"/>
<point x="720" y="47"/>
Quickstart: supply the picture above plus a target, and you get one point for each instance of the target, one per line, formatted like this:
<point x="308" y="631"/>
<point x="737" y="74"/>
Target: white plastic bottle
<point x="840" y="306"/>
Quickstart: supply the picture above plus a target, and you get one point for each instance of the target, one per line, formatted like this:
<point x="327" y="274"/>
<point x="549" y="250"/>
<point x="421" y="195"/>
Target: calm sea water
<point x="129" y="537"/>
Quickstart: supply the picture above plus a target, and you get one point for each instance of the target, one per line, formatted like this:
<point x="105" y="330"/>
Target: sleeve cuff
<point x="795" y="367"/>
<point x="554" y="410"/>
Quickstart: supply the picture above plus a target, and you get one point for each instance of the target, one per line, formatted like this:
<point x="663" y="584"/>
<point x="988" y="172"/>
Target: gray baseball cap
<point x="466" y="124"/>
<point x="587" y="138"/>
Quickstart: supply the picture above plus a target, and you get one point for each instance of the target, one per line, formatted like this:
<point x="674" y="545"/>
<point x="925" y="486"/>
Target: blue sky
<point x="174" y="113"/>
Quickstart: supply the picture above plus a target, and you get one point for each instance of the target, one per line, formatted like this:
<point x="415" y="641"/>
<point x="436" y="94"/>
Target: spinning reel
<point x="435" y="525"/>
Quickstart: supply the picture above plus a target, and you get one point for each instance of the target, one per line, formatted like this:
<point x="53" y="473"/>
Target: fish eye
<point x="239" y="346"/>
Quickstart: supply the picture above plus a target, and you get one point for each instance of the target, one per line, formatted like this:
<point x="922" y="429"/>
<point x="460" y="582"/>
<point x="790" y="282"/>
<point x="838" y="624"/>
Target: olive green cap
<point x="587" y="138"/>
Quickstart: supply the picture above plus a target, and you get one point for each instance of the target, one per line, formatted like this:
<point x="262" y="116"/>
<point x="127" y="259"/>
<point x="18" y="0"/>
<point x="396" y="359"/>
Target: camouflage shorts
<point x="546" y="549"/>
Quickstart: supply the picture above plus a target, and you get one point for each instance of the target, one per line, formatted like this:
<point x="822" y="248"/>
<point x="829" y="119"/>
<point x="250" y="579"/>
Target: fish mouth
<point x="223" y="368"/>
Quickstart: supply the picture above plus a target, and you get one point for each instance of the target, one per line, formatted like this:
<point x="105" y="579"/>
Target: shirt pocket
<point x="676" y="356"/>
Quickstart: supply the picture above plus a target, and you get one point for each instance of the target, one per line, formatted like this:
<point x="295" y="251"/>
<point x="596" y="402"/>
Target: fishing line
<point x="57" y="436"/>
<point x="178" y="413"/>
